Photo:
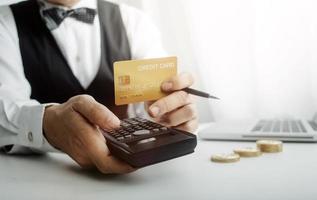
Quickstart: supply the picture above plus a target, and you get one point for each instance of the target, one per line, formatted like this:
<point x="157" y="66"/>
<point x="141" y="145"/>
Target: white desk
<point x="288" y="175"/>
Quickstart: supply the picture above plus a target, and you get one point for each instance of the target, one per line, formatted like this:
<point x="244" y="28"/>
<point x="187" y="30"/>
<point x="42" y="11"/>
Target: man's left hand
<point x="177" y="109"/>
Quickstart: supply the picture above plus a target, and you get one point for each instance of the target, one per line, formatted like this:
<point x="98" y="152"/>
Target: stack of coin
<point x="270" y="146"/>
<point x="248" y="152"/>
<point x="265" y="146"/>
<point x="225" y="158"/>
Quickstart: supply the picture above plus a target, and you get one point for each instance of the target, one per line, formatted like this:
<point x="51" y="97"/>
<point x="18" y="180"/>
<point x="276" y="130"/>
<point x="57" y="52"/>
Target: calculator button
<point x="120" y="138"/>
<point x="156" y="130"/>
<point x="164" y="129"/>
<point x="147" y="140"/>
<point x="134" y="122"/>
<point x="141" y="132"/>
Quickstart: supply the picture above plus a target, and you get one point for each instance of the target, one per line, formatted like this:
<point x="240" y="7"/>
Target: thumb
<point x="95" y="112"/>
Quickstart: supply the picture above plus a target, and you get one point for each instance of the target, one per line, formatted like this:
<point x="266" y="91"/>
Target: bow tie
<point x="55" y="16"/>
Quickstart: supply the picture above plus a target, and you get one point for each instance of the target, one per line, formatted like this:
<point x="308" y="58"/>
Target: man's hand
<point x="73" y="127"/>
<point x="177" y="109"/>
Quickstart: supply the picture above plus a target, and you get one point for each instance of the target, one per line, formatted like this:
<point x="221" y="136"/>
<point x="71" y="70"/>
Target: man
<point x="56" y="78"/>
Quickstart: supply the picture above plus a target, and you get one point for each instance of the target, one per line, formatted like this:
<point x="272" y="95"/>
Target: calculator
<point x="141" y="142"/>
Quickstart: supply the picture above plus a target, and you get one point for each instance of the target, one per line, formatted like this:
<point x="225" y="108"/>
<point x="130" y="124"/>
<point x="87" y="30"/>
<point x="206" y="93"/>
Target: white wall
<point x="258" y="56"/>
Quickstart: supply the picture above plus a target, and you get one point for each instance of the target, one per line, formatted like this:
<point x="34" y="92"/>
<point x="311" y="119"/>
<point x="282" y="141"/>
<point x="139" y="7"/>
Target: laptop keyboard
<point x="278" y="126"/>
<point x="313" y="125"/>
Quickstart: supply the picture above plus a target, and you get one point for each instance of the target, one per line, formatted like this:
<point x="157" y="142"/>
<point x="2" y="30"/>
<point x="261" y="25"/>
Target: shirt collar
<point x="81" y="4"/>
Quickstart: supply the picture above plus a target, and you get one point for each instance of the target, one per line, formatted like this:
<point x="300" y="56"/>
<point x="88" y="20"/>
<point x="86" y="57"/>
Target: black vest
<point x="47" y="70"/>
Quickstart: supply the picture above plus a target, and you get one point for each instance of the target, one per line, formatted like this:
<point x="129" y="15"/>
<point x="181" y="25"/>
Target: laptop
<point x="289" y="130"/>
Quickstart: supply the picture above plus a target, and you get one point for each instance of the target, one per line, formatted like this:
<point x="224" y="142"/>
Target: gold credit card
<point x="140" y="80"/>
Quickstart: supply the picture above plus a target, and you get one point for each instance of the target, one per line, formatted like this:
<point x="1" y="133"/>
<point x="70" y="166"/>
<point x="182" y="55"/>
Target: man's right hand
<point x="73" y="127"/>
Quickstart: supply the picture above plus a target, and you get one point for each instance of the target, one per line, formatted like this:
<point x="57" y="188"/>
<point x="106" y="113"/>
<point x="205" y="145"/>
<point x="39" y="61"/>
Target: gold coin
<point x="225" y="158"/>
<point x="248" y="152"/>
<point x="270" y="146"/>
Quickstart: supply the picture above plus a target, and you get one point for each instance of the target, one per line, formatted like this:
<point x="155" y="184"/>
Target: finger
<point x="108" y="164"/>
<point x="83" y="161"/>
<point x="169" y="103"/>
<point x="99" y="153"/>
<point x="147" y="105"/>
<point x="190" y="126"/>
<point x="95" y="112"/>
<point x="93" y="143"/>
<point x="77" y="143"/>
<point x="181" y="115"/>
<point x="178" y="82"/>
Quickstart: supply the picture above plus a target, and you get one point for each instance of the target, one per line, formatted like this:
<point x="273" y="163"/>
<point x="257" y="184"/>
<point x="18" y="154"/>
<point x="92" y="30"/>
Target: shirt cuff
<point x="30" y="136"/>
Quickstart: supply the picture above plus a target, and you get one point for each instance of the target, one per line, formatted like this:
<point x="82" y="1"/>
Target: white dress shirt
<point x="21" y="117"/>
